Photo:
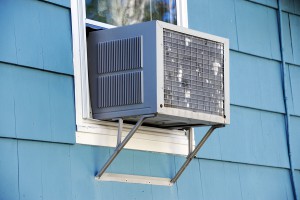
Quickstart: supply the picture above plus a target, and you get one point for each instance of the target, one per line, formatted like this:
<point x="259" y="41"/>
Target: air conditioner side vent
<point x="121" y="89"/>
<point x="120" y="55"/>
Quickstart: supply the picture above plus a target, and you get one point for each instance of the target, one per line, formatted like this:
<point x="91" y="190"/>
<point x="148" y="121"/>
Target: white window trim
<point x="103" y="133"/>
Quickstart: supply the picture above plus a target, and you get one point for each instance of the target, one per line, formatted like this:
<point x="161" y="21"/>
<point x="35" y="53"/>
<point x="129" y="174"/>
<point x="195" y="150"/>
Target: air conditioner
<point x="178" y="74"/>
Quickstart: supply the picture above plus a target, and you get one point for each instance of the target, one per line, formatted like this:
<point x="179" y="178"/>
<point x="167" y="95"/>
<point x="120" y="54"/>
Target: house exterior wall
<point x="246" y="160"/>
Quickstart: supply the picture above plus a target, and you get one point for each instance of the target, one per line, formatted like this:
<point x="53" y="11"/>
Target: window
<point x="125" y="12"/>
<point x="110" y="13"/>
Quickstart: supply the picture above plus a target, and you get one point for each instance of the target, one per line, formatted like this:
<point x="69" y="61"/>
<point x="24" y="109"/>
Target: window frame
<point x="90" y="131"/>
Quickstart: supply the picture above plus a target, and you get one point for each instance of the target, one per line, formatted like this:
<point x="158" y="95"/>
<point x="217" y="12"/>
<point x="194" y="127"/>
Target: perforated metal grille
<point x="119" y="90"/>
<point x="193" y="73"/>
<point x="119" y="55"/>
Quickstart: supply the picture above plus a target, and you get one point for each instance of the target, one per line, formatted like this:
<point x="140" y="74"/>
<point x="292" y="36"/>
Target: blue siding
<point x="7" y="102"/>
<point x="39" y="35"/>
<point x="9" y="169"/>
<point x="255" y="82"/>
<point x="254" y="137"/>
<point x="211" y="23"/>
<point x="44" y="168"/>
<point x="43" y="111"/>
<point x="297" y="181"/>
<point x="254" y="30"/>
<point x="295" y="86"/>
<point x="246" y="160"/>
<point x="295" y="138"/>
<point x="295" y="34"/>
<point x="264" y="183"/>
<point x="7" y="39"/>
<point x="27" y="33"/>
<point x="57" y="171"/>
<point x="288" y="49"/>
<point x="55" y="28"/>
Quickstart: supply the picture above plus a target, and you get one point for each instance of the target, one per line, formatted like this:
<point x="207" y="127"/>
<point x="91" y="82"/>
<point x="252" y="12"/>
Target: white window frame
<point x="103" y="133"/>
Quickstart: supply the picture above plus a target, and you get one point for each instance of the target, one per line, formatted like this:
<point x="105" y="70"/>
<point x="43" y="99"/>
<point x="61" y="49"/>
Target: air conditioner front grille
<point x="193" y="73"/>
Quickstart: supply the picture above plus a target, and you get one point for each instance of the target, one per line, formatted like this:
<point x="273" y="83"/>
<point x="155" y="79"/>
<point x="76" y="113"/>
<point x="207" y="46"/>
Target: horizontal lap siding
<point x="61" y="171"/>
<point x="36" y="34"/>
<point x="38" y="105"/>
<point x="256" y="134"/>
<point x="246" y="160"/>
<point x="37" y="93"/>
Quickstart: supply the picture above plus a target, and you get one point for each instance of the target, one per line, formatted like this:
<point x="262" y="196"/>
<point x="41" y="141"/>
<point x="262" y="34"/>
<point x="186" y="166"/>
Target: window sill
<point x="145" y="139"/>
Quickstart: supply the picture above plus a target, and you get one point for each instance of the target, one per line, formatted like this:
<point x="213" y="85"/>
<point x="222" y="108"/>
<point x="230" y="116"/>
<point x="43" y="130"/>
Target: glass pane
<point x="124" y="12"/>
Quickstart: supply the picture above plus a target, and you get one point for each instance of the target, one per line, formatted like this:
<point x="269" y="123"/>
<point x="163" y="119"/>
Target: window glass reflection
<point x="124" y="12"/>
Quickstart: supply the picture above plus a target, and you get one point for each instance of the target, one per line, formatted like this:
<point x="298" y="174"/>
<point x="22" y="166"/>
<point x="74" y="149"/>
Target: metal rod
<point x="193" y="154"/>
<point x="120" y="129"/>
<point x="122" y="144"/>
<point x="191" y="139"/>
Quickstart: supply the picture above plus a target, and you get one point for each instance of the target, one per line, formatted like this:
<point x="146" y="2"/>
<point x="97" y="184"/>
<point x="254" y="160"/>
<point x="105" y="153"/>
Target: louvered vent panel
<point x="194" y="73"/>
<point x="119" y="90"/>
<point x="119" y="55"/>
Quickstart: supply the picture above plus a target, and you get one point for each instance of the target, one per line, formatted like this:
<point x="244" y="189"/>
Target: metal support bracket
<point x="120" y="145"/>
<point x="101" y="175"/>
<point x="193" y="153"/>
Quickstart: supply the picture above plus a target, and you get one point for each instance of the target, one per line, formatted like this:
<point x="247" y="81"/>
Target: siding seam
<point x="34" y="68"/>
<point x="18" y="169"/>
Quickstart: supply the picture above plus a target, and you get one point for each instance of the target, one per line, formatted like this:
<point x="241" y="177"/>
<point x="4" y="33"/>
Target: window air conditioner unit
<point x="178" y="74"/>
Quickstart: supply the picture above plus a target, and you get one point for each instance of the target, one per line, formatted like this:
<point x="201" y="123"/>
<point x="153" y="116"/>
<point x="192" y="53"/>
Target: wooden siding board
<point x="289" y="90"/>
<point x="254" y="30"/>
<point x="62" y="108"/>
<point x="38" y="105"/>
<point x="264" y="183"/>
<point x="163" y="165"/>
<point x="214" y="17"/>
<point x="295" y="32"/>
<point x="211" y="149"/>
<point x="295" y="83"/>
<point x="85" y="163"/>
<point x="37" y="34"/>
<point x="297" y="181"/>
<point x="7" y="38"/>
<point x="295" y="138"/>
<point x="297" y="6"/>
<point x="28" y="35"/>
<point x="9" y="169"/>
<point x="255" y="137"/>
<point x="7" y="101"/>
<point x="288" y="6"/>
<point x="123" y="164"/>
<point x="55" y="27"/>
<point x="44" y="171"/>
<point x="287" y="40"/>
<point x="189" y="184"/>
<point x="255" y="82"/>
<point x="32" y="104"/>
<point x="218" y="180"/>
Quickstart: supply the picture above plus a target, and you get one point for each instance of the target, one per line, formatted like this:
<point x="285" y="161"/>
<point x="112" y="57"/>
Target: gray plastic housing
<point x="145" y="47"/>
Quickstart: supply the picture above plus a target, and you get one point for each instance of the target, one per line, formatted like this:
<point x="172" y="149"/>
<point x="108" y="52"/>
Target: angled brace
<point x="192" y="154"/>
<point x="120" y="145"/>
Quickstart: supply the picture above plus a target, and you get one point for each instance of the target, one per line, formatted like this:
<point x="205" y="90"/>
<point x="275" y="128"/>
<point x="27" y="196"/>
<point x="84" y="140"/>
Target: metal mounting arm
<point x="120" y="145"/>
<point x="192" y="154"/>
<point x="101" y="175"/>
